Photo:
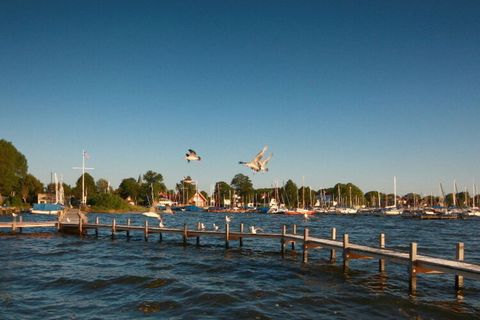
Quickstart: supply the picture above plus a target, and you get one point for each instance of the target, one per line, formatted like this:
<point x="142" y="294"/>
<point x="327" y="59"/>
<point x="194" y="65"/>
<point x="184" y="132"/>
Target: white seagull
<point x="255" y="163"/>
<point x="215" y="227"/>
<point x="227" y="219"/>
<point x="202" y="226"/>
<point x="263" y="163"/>
<point x="192" y="156"/>
<point x="305" y="216"/>
<point x="254" y="230"/>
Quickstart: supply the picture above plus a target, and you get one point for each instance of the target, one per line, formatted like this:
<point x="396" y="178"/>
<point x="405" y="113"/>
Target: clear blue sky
<point x="343" y="91"/>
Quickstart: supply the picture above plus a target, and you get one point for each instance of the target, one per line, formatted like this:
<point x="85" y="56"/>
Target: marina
<point x="74" y="221"/>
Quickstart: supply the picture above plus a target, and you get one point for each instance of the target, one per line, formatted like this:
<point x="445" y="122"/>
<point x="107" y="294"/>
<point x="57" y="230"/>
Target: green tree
<point x="108" y="201"/>
<point x="412" y="199"/>
<point x="242" y="186"/>
<point x="371" y="198"/>
<point x="222" y="191"/>
<point x="30" y="188"/>
<point x="348" y="194"/>
<point x="13" y="168"/>
<point x="290" y="193"/>
<point x="102" y="186"/>
<point x="152" y="184"/>
<point x="186" y="188"/>
<point x="129" y="188"/>
<point x="90" y="187"/>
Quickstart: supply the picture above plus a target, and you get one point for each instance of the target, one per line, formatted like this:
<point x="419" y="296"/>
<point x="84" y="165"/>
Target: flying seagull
<point x="263" y="163"/>
<point x="192" y="156"/>
<point x="255" y="163"/>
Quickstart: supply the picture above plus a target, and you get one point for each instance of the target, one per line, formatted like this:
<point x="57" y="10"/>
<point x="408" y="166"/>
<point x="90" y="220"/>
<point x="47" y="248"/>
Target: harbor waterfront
<point x="50" y="274"/>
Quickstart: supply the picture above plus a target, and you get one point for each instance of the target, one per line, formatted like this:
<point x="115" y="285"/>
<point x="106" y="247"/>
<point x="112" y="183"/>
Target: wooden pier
<point x="75" y="221"/>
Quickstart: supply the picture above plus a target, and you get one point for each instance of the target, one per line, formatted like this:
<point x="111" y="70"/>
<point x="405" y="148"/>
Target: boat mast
<point x="395" y="191"/>
<point x="454" y="193"/>
<point x="84" y="155"/>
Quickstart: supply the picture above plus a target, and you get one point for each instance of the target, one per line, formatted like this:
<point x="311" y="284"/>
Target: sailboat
<point x="301" y="210"/>
<point x="393" y="210"/>
<point x="52" y="208"/>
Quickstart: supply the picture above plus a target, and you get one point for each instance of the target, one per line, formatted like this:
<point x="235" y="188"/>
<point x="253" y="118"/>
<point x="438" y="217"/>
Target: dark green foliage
<point x="13" y="168"/>
<point x="186" y="189"/>
<point x="108" y="201"/>
<point x="242" y="185"/>
<point x="129" y="188"/>
<point x="290" y="194"/>
<point x="347" y="194"/>
<point x="90" y="187"/>
<point x="222" y="191"/>
<point x="30" y="187"/>
<point x="371" y="198"/>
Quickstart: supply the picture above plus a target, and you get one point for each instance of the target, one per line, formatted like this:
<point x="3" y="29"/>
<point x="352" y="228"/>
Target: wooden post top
<point x="413" y="251"/>
<point x="345" y="240"/>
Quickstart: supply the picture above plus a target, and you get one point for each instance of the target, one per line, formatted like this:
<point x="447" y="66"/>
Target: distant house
<point x="198" y="199"/>
<point x="46" y="198"/>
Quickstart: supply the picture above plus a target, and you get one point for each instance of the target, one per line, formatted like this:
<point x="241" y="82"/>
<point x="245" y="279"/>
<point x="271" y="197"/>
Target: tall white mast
<point x="395" y="191"/>
<point x="454" y="193"/>
<point x="84" y="155"/>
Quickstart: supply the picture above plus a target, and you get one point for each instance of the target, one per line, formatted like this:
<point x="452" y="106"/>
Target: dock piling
<point x="460" y="255"/>
<point x="185" y="233"/>
<point x="198" y="229"/>
<point x="145" y="231"/>
<point x="346" y="255"/>
<point x="333" y="253"/>
<point x="96" y="228"/>
<point x="128" y="230"/>
<point x="227" y="235"/>
<point x="282" y="240"/>
<point x="114" y="228"/>
<point x="413" y="268"/>
<point x="381" y="262"/>
<point x="294" y="232"/>
<point x="305" y="245"/>
<point x="240" y="239"/>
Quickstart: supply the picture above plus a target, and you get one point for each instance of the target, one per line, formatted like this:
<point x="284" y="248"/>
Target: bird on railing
<point x="215" y="227"/>
<point x="255" y="230"/>
<point x="161" y="225"/>
<point x="305" y="216"/>
<point x="202" y="226"/>
<point x="228" y="219"/>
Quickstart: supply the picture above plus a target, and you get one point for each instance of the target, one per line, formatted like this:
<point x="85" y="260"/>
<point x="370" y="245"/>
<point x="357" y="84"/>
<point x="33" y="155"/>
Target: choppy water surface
<point x="50" y="275"/>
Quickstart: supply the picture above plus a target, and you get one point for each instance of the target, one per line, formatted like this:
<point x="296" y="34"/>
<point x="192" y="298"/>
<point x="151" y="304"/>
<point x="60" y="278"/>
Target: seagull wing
<point x="260" y="154"/>
<point x="193" y="153"/>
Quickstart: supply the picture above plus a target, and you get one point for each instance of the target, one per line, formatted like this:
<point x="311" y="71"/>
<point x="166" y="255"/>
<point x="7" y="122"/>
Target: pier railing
<point x="416" y="263"/>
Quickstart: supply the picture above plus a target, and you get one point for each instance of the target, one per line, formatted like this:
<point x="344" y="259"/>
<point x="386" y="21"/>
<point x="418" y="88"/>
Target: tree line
<point x="20" y="188"/>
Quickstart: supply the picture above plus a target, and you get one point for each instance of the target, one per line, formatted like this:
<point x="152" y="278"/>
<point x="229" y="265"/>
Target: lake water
<point x="47" y="275"/>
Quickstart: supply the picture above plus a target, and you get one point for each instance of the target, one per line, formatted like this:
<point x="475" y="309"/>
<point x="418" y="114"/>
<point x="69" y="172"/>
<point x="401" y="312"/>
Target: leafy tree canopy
<point x="13" y="168"/>
<point x="242" y="185"/>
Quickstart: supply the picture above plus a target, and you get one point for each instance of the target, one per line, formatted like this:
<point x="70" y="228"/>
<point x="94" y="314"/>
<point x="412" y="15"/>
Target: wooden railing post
<point x="128" y="230"/>
<point x="145" y="231"/>
<point x="294" y="232"/>
<point x="381" y="262"/>
<point x="241" y="238"/>
<point x="282" y="239"/>
<point x="185" y="233"/>
<point x="305" y="245"/>
<point x="198" y="229"/>
<point x="96" y="227"/>
<point x="20" y="220"/>
<point x="413" y="269"/>
<point x="114" y="228"/>
<point x="80" y="226"/>
<point x="460" y="255"/>
<point x="333" y="252"/>
<point x="227" y="235"/>
<point x="346" y="255"/>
